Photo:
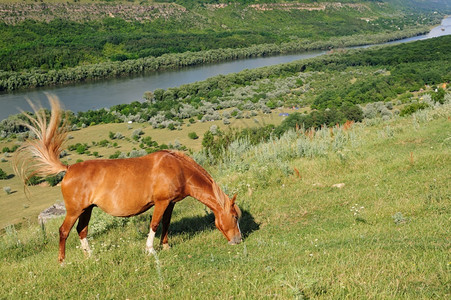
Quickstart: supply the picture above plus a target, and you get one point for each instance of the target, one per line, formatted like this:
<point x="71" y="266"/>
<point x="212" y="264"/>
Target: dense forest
<point x="53" y="43"/>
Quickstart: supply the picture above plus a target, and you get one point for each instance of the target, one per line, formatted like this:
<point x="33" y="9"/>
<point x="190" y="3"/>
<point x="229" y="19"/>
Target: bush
<point x="439" y="96"/>
<point x="115" y="155"/>
<point x="9" y="150"/>
<point x="54" y="180"/>
<point x="3" y="174"/>
<point x="193" y="135"/>
<point x="103" y="143"/>
<point x="137" y="133"/>
<point x="81" y="148"/>
<point x="34" y="180"/>
<point x="115" y="136"/>
<point x="7" y="190"/>
<point x="410" y="109"/>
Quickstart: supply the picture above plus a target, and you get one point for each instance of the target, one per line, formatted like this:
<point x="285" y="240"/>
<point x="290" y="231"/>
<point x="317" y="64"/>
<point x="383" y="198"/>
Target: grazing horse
<point x="121" y="187"/>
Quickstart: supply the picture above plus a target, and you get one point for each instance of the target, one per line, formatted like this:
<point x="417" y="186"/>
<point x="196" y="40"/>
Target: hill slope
<point x="384" y="234"/>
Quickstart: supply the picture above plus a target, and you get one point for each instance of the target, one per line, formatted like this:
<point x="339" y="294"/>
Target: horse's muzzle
<point x="235" y="240"/>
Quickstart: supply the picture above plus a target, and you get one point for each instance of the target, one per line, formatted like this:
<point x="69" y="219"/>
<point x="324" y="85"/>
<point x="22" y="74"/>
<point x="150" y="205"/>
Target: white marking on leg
<point x="85" y="247"/>
<point x="149" y="243"/>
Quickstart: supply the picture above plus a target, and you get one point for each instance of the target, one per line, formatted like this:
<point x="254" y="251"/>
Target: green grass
<point x="303" y="237"/>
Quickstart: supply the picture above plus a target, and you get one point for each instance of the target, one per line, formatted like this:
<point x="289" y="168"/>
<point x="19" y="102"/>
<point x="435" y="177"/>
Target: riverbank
<point x="28" y="79"/>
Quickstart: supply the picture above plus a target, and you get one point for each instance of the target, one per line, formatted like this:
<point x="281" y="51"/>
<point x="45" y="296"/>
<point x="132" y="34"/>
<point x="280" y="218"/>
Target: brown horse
<point x="121" y="187"/>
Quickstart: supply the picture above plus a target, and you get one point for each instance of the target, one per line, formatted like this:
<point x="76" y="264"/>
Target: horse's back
<point x="124" y="186"/>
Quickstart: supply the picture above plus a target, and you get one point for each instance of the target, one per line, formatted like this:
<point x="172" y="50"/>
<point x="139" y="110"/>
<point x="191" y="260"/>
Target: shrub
<point x="115" y="136"/>
<point x="81" y="148"/>
<point x="214" y="129"/>
<point x="3" y="174"/>
<point x="34" y="180"/>
<point x="352" y="113"/>
<point x="410" y="109"/>
<point x="54" y="180"/>
<point x="137" y="133"/>
<point x="118" y="136"/>
<point x="115" y="155"/>
<point x="137" y="153"/>
<point x="193" y="135"/>
<point x="439" y="96"/>
<point x="103" y="143"/>
<point x="7" y="190"/>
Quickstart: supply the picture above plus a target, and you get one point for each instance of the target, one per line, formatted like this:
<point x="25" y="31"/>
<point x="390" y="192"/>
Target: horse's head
<point x="227" y="221"/>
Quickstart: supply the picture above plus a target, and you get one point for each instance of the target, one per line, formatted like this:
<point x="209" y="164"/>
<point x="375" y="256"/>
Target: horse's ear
<point x="232" y="201"/>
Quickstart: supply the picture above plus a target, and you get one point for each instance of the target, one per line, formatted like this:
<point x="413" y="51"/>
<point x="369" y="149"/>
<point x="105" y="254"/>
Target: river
<point x="106" y="93"/>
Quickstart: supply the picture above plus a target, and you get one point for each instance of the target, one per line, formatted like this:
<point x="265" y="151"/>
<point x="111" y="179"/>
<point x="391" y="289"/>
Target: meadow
<point x="356" y="211"/>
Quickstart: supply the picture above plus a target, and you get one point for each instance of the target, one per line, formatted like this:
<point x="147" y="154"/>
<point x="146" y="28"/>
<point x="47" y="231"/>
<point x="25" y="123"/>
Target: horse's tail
<point x="40" y="156"/>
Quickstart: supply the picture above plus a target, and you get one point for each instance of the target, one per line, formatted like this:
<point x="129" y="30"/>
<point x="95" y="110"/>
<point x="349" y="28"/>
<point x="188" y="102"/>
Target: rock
<point x="54" y="211"/>
<point x="339" y="185"/>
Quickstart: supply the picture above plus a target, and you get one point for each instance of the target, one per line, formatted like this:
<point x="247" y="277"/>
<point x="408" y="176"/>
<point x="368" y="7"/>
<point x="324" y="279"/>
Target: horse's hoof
<point x="166" y="247"/>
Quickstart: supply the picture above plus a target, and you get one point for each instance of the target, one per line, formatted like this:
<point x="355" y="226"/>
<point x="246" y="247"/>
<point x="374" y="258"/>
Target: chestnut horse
<point x="121" y="187"/>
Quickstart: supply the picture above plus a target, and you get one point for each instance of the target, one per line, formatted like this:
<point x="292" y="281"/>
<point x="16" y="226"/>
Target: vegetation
<point x="337" y="85"/>
<point x="346" y="197"/>
<point x="304" y="237"/>
<point x="3" y="174"/>
<point x="60" y="43"/>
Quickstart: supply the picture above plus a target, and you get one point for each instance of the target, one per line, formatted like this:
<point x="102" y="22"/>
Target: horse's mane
<point x="220" y="196"/>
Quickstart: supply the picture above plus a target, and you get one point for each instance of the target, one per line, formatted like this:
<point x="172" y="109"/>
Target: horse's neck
<point x="207" y="192"/>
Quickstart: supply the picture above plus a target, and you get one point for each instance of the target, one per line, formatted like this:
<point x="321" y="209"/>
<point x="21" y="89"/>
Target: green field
<point x="384" y="234"/>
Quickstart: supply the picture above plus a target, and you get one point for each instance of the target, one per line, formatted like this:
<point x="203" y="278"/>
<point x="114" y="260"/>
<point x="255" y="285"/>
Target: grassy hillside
<point x="383" y="234"/>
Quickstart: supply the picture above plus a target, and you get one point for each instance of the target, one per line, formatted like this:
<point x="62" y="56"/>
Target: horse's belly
<point x="123" y="205"/>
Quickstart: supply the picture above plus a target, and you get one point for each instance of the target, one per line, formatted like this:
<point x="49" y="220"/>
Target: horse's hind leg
<point x="82" y="229"/>
<point x="65" y="228"/>
<point x="166" y="220"/>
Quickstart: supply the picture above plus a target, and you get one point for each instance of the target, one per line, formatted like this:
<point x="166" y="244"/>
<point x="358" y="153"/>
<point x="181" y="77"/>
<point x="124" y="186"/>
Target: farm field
<point x="384" y="233"/>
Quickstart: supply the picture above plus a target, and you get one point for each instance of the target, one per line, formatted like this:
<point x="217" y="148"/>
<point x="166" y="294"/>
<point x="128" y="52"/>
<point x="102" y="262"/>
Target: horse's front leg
<point x="166" y="221"/>
<point x="160" y="208"/>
